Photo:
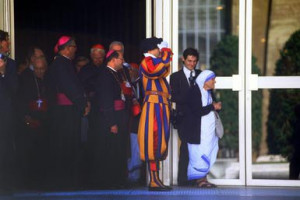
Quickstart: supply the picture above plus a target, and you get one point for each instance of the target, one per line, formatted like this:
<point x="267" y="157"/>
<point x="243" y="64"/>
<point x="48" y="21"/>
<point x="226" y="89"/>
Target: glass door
<point x="272" y="93"/>
<point x="216" y="28"/>
<point x="246" y="43"/>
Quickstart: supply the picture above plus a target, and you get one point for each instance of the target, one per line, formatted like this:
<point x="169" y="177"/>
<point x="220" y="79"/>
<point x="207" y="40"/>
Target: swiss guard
<point x="153" y="132"/>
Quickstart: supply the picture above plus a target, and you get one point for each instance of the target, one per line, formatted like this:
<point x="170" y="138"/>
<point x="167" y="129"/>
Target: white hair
<point x="116" y="43"/>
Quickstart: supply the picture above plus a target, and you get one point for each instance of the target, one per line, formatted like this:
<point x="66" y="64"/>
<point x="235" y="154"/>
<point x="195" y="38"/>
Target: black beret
<point x="150" y="44"/>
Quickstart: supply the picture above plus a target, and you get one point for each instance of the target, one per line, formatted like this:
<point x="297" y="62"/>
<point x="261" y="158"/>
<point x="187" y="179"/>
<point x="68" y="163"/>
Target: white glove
<point x="163" y="44"/>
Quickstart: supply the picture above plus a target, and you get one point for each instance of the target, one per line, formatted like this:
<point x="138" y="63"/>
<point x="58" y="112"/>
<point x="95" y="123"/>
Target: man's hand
<point x="114" y="129"/>
<point x="87" y="109"/>
<point x="217" y="106"/>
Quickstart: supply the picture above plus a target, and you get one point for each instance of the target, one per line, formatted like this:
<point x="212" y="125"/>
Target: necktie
<point x="191" y="79"/>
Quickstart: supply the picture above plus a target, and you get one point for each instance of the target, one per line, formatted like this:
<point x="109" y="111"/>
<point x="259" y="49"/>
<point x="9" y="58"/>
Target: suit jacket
<point x="179" y="89"/>
<point x="194" y="110"/>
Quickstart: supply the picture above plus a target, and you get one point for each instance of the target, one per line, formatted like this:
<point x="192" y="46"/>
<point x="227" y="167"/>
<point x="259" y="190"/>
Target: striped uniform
<point x="153" y="132"/>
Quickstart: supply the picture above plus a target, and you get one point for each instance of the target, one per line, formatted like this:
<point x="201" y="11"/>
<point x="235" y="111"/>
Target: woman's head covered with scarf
<point x="204" y="76"/>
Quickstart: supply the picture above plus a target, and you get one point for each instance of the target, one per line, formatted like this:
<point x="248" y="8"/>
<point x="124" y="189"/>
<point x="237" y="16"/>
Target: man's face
<point x="190" y="62"/>
<point x="72" y="50"/>
<point x="40" y="67"/>
<point x="117" y="48"/>
<point x="155" y="52"/>
<point x="119" y="61"/>
<point x="81" y="64"/>
<point x="210" y="84"/>
<point x="97" y="57"/>
<point x="5" y="46"/>
<point x="38" y="54"/>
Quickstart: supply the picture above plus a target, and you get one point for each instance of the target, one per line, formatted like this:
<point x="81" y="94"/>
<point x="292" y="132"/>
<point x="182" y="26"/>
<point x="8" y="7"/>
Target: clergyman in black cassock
<point x="109" y="141"/>
<point x="32" y="137"/>
<point x="68" y="105"/>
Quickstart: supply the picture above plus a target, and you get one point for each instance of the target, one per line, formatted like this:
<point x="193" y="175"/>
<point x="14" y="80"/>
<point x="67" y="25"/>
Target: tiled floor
<point x="180" y="193"/>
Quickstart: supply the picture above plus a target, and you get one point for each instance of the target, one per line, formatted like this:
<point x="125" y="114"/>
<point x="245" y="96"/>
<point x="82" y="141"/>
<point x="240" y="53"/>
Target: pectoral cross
<point x="39" y="102"/>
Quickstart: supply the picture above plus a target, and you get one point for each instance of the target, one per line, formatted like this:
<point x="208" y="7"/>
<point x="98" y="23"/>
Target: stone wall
<point x="285" y="19"/>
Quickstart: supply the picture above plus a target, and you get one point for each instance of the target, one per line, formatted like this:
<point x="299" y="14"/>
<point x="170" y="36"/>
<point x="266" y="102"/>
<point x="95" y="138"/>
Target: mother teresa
<point x="199" y="123"/>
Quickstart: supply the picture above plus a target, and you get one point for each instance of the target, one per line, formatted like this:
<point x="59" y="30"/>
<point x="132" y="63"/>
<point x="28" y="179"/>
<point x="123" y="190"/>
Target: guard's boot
<point x="156" y="184"/>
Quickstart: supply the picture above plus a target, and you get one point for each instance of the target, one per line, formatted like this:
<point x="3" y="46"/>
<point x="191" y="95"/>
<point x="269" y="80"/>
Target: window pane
<point x="201" y="24"/>
<point x="227" y="164"/>
<point x="275" y="143"/>
<point x="273" y="44"/>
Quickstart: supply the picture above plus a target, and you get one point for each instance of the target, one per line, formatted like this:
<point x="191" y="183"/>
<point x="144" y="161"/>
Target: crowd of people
<point x="91" y="122"/>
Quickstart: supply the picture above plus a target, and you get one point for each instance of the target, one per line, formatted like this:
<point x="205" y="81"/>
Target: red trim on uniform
<point x="155" y="135"/>
<point x="153" y="166"/>
<point x="150" y="65"/>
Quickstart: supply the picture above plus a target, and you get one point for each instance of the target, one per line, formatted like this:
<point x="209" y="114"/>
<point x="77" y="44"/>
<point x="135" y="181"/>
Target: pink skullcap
<point x="109" y="53"/>
<point x="61" y="41"/>
<point x="98" y="46"/>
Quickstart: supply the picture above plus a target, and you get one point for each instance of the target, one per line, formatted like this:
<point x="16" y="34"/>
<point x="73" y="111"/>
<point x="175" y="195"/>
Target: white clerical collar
<point x="187" y="72"/>
<point x="111" y="68"/>
<point x="66" y="57"/>
<point x="149" y="55"/>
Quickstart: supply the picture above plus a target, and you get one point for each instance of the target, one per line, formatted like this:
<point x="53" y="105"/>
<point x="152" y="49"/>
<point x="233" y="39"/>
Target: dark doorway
<point x="88" y="21"/>
<point x="41" y="23"/>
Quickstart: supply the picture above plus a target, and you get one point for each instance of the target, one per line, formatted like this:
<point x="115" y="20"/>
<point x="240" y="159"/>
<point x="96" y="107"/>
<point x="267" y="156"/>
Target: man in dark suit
<point x="8" y="89"/>
<point x="180" y="83"/>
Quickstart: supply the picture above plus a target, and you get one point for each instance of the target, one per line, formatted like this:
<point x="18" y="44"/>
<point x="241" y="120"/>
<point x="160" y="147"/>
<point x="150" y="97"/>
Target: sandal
<point x="205" y="184"/>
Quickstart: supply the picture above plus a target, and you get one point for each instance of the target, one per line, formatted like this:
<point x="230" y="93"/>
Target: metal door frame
<point x="164" y="23"/>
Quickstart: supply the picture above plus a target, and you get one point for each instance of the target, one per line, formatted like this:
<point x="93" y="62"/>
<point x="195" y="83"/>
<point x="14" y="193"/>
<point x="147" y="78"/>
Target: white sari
<point x="202" y="156"/>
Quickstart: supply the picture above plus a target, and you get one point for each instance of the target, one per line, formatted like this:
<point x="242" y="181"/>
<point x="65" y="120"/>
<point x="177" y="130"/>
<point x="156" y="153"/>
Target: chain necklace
<point x="39" y="101"/>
